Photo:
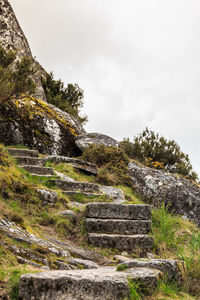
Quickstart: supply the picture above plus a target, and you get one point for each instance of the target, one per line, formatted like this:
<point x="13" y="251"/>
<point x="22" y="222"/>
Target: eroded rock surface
<point x="40" y="126"/>
<point x="85" y="140"/>
<point x="182" y="195"/>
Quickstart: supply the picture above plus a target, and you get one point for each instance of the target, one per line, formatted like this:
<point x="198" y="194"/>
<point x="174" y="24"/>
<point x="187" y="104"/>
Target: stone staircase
<point x="109" y="225"/>
<point x="30" y="161"/>
<point x="119" y="226"/>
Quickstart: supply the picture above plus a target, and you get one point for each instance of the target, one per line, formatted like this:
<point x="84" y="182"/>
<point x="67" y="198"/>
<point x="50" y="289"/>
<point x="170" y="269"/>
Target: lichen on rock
<point x="38" y="125"/>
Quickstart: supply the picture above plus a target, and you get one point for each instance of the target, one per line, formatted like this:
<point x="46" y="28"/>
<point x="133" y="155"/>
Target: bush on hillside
<point x="156" y="151"/>
<point x="68" y="99"/>
<point x="113" y="164"/>
<point x="14" y="82"/>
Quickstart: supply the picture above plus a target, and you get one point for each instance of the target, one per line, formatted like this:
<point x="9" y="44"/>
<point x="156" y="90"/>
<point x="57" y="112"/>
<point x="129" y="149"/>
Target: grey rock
<point x="79" y="164"/>
<point x="63" y="176"/>
<point x="77" y="186"/>
<point x="68" y="213"/>
<point x="41" y="126"/>
<point x="172" y="269"/>
<point x="17" y="152"/>
<point x="38" y="170"/>
<point x="121" y="242"/>
<point x="122" y="258"/>
<point x="47" y="195"/>
<point x="10" y="229"/>
<point x="86" y="264"/>
<point x="182" y="195"/>
<point x="63" y="265"/>
<point x="113" y="192"/>
<point x="85" y="140"/>
<point x="80" y="252"/>
<point x="118" y="211"/>
<point x="22" y="260"/>
<point x="25" y="160"/>
<point x="118" y="226"/>
<point x="102" y="283"/>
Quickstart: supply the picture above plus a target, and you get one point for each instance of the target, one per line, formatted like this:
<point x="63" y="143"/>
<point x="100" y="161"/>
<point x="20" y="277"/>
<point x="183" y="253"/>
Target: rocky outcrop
<point x="156" y="186"/>
<point x="13" y="38"/>
<point x="40" y="126"/>
<point x="85" y="140"/>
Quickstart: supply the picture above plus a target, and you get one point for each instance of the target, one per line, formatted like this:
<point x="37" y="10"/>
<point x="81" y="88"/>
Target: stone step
<point x="85" y="194"/>
<point x="104" y="283"/>
<point x="77" y="186"/>
<point x="26" y="160"/>
<point x="118" y="226"/>
<point x="23" y="152"/>
<point x="121" y="242"/>
<point x="173" y="269"/>
<point x="118" y="211"/>
<point x="38" y="170"/>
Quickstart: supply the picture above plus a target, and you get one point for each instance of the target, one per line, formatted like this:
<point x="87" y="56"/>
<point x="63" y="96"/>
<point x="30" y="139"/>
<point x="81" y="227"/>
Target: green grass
<point x="122" y="267"/>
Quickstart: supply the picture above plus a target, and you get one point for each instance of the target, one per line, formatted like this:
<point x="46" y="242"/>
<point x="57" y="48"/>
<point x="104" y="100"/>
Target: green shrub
<point x="68" y="99"/>
<point x="18" y="81"/>
<point x="158" y="152"/>
<point x="113" y="164"/>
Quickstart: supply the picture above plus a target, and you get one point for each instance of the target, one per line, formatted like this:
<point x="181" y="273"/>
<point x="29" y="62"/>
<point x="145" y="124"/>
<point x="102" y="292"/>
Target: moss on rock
<point x="38" y="125"/>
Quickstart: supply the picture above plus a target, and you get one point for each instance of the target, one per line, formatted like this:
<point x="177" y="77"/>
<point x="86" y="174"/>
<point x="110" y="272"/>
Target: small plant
<point x="170" y="289"/>
<point x="164" y="226"/>
<point x="113" y="164"/>
<point x="134" y="290"/>
<point x="122" y="267"/>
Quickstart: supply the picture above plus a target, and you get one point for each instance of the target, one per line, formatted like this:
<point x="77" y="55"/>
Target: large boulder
<point x="38" y="125"/>
<point x="156" y="186"/>
<point x="85" y="140"/>
<point x="13" y="38"/>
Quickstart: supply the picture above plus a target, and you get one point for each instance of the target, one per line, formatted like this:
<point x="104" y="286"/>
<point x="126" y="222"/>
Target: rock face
<point x="85" y="140"/>
<point x="13" y="38"/>
<point x="182" y="195"/>
<point x="40" y="126"/>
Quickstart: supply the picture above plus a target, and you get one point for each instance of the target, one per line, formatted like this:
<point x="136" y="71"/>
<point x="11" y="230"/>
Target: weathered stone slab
<point x="118" y="226"/>
<point x="23" y="152"/>
<point x="77" y="186"/>
<point x="173" y="269"/>
<point x="38" y="170"/>
<point x="83" y="141"/>
<point x="118" y="211"/>
<point x="85" y="194"/>
<point x="113" y="192"/>
<point x="79" y="164"/>
<point x="101" y="284"/>
<point x="86" y="264"/>
<point x="25" y="160"/>
<point x="121" y="242"/>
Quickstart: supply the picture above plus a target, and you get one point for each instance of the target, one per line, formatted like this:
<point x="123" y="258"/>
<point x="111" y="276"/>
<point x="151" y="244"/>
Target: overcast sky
<point x="138" y="62"/>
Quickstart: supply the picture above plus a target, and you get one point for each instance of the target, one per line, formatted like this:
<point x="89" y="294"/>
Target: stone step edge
<point x="35" y="159"/>
<point x="122" y="242"/>
<point x="117" y="226"/>
<point x="31" y="153"/>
